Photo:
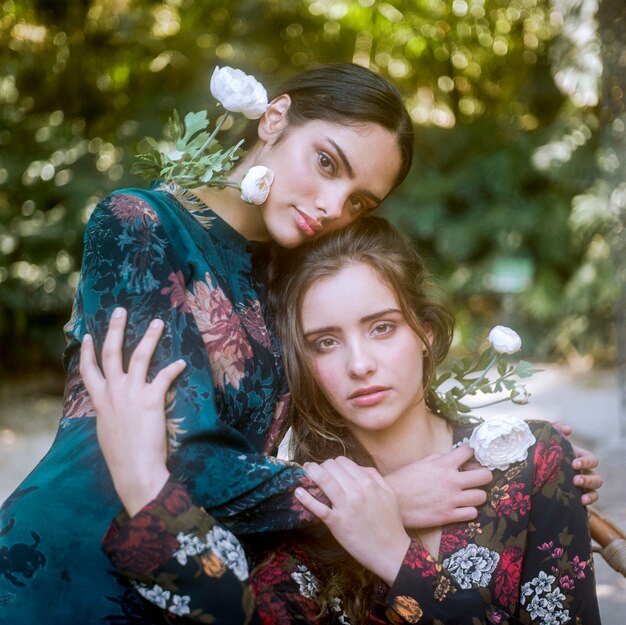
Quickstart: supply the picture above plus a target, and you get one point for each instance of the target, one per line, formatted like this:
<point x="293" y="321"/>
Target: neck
<point x="422" y="435"/>
<point x="226" y="202"/>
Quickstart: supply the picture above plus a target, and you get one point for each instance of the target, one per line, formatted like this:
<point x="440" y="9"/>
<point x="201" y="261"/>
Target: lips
<point x="369" y="396"/>
<point x="307" y="224"/>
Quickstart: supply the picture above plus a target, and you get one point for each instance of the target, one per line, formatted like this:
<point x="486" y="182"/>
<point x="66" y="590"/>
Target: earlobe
<point x="274" y="120"/>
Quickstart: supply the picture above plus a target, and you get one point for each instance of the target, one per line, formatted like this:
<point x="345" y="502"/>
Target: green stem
<point x="483" y="375"/>
<point x="218" y="126"/>
<point x="491" y="403"/>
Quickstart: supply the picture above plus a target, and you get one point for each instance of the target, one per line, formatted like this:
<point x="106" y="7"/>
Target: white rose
<point x="504" y="340"/>
<point x="499" y="441"/>
<point x="255" y="186"/>
<point x="239" y="93"/>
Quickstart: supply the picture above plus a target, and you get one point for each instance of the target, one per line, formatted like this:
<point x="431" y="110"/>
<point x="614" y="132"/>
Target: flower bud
<point x="255" y="187"/>
<point x="238" y="92"/>
<point x="504" y="340"/>
<point x="520" y="395"/>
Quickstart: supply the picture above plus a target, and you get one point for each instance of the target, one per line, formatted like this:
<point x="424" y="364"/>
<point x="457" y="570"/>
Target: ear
<point x="274" y="120"/>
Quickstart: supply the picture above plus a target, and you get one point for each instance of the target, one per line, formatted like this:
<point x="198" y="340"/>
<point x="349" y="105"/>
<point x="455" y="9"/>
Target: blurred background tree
<point x="513" y="194"/>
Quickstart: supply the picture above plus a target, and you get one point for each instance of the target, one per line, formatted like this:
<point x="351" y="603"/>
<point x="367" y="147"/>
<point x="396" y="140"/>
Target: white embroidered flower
<point x="238" y="92"/>
<point x="504" y="340"/>
<point x="501" y="440"/>
<point x="190" y="545"/>
<point x="228" y="549"/>
<point x="255" y="186"/>
<point x="336" y="606"/>
<point x="179" y="605"/>
<point x="307" y="582"/>
<point x="472" y="565"/>
<point x="155" y="594"/>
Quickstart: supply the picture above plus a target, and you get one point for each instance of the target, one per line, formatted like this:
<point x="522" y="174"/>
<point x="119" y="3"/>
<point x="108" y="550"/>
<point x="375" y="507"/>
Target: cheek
<point x="326" y="376"/>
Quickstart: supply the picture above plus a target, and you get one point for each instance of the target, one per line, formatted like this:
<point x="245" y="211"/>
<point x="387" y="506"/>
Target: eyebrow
<point x="372" y="317"/>
<point x="346" y="164"/>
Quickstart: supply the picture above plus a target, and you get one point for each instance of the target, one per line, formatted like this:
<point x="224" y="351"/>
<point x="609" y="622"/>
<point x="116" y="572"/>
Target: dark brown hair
<point x="318" y="432"/>
<point x="348" y="94"/>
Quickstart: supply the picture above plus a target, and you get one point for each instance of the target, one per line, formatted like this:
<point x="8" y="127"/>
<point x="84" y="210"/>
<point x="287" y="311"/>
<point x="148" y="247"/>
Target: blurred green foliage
<point x="506" y="199"/>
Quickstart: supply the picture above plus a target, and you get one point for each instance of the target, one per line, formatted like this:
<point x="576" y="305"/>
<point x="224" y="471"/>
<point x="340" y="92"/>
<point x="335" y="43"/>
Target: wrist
<point x="390" y="564"/>
<point x="137" y="490"/>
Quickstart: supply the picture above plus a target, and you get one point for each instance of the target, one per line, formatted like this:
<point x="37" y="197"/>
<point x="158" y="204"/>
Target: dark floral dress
<point x="525" y="560"/>
<point x="159" y="253"/>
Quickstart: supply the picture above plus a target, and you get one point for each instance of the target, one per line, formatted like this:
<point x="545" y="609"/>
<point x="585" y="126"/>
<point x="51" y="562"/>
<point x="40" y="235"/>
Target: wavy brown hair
<point x="318" y="432"/>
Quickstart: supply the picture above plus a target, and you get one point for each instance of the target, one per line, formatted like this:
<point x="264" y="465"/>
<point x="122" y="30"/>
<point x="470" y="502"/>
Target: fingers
<point x="326" y="478"/>
<point x="585" y="460"/>
<point x="166" y="376"/>
<point x="140" y="360"/>
<point x="475" y="478"/>
<point x="562" y="428"/>
<point x="460" y="455"/>
<point x="113" y="343"/>
<point x="319" y="509"/>
<point x="589" y="498"/>
<point x="89" y="370"/>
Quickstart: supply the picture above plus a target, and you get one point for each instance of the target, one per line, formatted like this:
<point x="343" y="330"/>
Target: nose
<point x="361" y="362"/>
<point x="330" y="203"/>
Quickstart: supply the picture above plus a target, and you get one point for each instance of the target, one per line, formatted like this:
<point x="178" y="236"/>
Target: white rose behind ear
<point x="501" y="440"/>
<point x="504" y="340"/>
<point x="238" y="92"/>
<point x="255" y="187"/>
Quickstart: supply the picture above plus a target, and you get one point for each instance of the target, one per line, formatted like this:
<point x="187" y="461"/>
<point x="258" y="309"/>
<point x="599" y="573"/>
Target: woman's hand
<point x="585" y="462"/>
<point x="440" y="489"/>
<point x="130" y="411"/>
<point x="364" y="517"/>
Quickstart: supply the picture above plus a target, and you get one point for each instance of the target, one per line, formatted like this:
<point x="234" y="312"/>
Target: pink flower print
<point x="545" y="546"/>
<point x="128" y="207"/>
<point x="557" y="553"/>
<point x="76" y="399"/>
<point x="222" y="333"/>
<point x="567" y="583"/>
<point x="579" y="567"/>
<point x="176" y="291"/>
<point x="253" y="321"/>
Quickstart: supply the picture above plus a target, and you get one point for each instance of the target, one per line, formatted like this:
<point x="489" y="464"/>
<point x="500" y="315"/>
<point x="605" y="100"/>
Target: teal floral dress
<point x="158" y="253"/>
<point x="526" y="559"/>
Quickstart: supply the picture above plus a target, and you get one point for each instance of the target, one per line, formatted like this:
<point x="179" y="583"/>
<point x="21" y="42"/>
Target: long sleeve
<point x="182" y="561"/>
<point x="425" y="592"/>
<point x="145" y="253"/>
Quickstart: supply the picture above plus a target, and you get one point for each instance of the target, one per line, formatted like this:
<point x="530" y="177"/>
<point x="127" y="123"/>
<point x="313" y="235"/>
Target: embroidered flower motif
<point x="472" y="565"/>
<point x="154" y="594"/>
<point x="507" y="576"/>
<point x="336" y="606"/>
<point x="222" y="333"/>
<point x="542" y="601"/>
<point x="212" y="565"/>
<point x="407" y="608"/>
<point x="548" y="459"/>
<point x="176" y="291"/>
<point x="190" y="545"/>
<point x="307" y="582"/>
<point x="500" y="441"/>
<point x="229" y="550"/>
<point x="179" y="605"/>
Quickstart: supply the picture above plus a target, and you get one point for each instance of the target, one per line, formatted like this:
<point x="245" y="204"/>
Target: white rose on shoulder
<point x="238" y="92"/>
<point x="255" y="186"/>
<point x="504" y="340"/>
<point x="500" y="441"/>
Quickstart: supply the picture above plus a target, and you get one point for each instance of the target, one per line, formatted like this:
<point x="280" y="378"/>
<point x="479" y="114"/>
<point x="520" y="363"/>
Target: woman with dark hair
<point x="339" y="139"/>
<point x="361" y="336"/>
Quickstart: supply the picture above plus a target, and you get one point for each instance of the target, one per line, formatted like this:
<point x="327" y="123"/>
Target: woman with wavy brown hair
<point x="362" y="336"/>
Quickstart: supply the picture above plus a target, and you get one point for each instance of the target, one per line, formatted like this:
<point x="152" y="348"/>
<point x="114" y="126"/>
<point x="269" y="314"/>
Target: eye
<point x="325" y="162"/>
<point x="384" y="328"/>
<point x="357" y="204"/>
<point x="324" y="344"/>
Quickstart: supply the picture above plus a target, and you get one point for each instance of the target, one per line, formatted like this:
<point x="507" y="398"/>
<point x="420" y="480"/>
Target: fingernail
<point x="576" y="464"/>
<point x="298" y="492"/>
<point x="87" y="338"/>
<point x="156" y="323"/>
<point x="118" y="312"/>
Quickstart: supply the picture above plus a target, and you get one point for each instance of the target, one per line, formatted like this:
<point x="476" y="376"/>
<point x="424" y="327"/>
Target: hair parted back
<point x="318" y="432"/>
<point x="347" y="93"/>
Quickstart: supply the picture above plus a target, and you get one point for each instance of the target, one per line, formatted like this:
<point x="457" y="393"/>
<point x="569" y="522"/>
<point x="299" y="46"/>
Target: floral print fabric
<point x="159" y="253"/>
<point x="525" y="560"/>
